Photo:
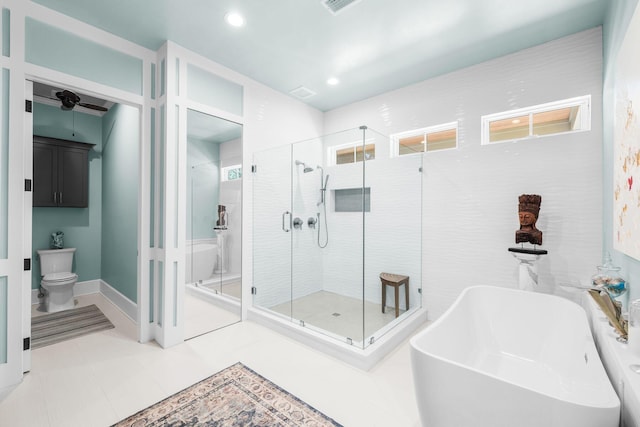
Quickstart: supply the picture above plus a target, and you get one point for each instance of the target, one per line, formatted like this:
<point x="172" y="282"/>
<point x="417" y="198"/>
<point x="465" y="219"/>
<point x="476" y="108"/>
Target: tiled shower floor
<point x="338" y="314"/>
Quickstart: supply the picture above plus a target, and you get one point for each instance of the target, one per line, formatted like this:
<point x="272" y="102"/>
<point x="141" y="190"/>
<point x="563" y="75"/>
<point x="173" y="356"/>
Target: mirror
<point x="214" y="222"/>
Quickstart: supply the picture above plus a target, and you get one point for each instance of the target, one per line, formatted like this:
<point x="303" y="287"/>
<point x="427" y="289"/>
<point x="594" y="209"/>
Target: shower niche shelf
<point x="352" y="199"/>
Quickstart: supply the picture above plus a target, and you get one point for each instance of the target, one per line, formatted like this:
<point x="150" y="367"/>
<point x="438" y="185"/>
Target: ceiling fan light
<point x="67" y="104"/>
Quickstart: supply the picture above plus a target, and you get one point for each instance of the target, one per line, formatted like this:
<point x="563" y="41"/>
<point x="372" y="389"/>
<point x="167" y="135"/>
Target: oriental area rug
<point x="234" y="397"/>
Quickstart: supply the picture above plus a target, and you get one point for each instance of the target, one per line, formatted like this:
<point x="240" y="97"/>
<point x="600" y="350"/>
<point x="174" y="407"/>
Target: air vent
<point x="336" y="6"/>
<point x="302" y="92"/>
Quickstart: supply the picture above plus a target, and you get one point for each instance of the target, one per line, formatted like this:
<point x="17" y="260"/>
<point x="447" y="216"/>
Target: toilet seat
<point x="53" y="278"/>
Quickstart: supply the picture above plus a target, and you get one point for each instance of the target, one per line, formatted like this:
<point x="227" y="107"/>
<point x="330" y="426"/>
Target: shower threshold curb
<point x="363" y="359"/>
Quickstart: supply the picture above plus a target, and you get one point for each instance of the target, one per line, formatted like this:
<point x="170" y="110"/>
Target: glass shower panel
<point x="326" y="243"/>
<point x="272" y="230"/>
<point x="331" y="214"/>
<point x="392" y="237"/>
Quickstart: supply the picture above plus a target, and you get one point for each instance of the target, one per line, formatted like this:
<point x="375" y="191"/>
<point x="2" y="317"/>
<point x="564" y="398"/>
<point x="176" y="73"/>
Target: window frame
<point x="224" y="172"/>
<point x="396" y="137"/>
<point x="333" y="151"/>
<point x="585" y="119"/>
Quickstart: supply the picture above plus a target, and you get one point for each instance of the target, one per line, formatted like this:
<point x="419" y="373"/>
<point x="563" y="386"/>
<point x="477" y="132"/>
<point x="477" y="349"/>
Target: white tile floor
<point x="98" y="379"/>
<point x="202" y="316"/>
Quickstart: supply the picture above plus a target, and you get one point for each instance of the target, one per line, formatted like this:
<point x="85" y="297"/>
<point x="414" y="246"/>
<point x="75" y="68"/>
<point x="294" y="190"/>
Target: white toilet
<point x="57" y="278"/>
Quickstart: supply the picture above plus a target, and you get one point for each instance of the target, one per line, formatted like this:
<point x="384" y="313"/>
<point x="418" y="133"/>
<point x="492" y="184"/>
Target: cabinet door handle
<point x="55" y="197"/>
<point x="61" y="197"/>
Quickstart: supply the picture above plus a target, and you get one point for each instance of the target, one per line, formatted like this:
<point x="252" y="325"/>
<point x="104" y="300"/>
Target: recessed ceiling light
<point x="333" y="81"/>
<point x="515" y="121"/>
<point x="234" y="19"/>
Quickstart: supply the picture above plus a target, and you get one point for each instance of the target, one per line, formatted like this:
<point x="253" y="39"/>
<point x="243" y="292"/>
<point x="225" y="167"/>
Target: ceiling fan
<point x="70" y="100"/>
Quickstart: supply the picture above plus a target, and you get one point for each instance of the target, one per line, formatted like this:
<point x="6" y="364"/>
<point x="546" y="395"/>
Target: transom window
<point x="432" y="138"/>
<point x="569" y="115"/>
<point x="353" y="152"/>
<point x="231" y="173"/>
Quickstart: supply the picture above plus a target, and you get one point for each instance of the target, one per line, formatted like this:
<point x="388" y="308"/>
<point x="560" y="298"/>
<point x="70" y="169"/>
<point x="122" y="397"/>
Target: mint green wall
<point x="105" y="233"/>
<point x="614" y="30"/>
<point x="120" y="158"/>
<point x="54" y="48"/>
<point x="81" y="226"/>
<point x="210" y="89"/>
<point x="203" y="187"/>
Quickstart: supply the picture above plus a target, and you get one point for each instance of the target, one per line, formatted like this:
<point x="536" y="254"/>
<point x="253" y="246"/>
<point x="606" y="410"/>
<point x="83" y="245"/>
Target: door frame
<point x="17" y="70"/>
<point x="115" y="96"/>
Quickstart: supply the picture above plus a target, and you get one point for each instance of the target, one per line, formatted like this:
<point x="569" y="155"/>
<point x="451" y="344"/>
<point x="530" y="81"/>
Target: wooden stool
<point x="394" y="280"/>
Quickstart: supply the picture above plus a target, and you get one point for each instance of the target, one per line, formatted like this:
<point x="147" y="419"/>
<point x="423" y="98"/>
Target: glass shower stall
<point x="330" y="215"/>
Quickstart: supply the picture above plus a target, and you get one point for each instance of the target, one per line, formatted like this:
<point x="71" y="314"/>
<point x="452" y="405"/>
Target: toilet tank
<point x="55" y="260"/>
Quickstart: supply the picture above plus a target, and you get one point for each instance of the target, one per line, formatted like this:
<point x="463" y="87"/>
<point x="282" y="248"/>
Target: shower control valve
<point x="297" y="223"/>
<point x="311" y="222"/>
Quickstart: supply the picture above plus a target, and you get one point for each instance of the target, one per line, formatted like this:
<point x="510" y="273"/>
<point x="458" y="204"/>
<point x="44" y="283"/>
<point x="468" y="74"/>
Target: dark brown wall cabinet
<point x="60" y="173"/>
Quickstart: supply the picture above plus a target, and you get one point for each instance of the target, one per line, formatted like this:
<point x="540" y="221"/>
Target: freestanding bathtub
<point x="511" y="358"/>
<point x="200" y="259"/>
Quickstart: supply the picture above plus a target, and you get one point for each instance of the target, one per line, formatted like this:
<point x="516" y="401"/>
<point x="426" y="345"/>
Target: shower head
<point x="306" y="169"/>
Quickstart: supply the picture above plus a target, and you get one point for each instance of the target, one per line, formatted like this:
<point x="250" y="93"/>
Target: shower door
<point x="272" y="223"/>
<point x="307" y="261"/>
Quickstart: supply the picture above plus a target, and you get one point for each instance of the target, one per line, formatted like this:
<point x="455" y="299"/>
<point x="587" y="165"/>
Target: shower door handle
<point x="284" y="227"/>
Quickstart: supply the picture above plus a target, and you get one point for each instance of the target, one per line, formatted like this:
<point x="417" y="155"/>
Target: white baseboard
<point x="128" y="307"/>
<point x="87" y="287"/>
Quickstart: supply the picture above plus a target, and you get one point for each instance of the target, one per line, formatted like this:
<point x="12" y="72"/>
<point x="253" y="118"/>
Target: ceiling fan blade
<point x="47" y="97"/>
<point x="93" y="106"/>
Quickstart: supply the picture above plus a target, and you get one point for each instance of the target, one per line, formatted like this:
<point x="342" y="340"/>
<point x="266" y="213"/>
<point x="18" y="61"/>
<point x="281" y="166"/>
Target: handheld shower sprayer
<point x="323" y="190"/>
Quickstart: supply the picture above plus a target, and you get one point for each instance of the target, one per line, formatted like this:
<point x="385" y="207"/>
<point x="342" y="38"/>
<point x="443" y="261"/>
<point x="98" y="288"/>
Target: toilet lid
<point x="59" y="277"/>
